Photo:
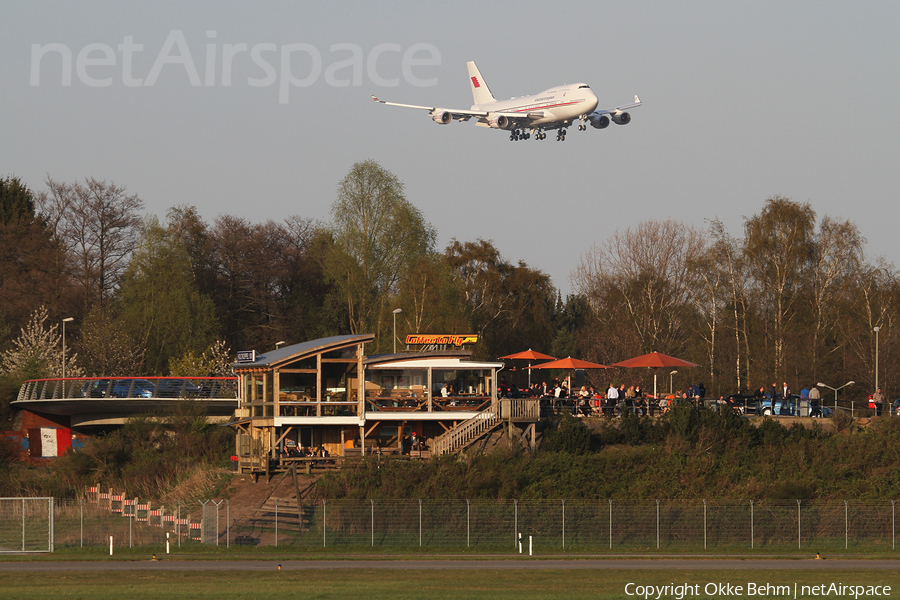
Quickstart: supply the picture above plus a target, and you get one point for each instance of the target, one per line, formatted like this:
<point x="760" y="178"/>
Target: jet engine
<point x="503" y="122"/>
<point x="621" y="118"/>
<point x="600" y="121"/>
<point x="442" y="117"/>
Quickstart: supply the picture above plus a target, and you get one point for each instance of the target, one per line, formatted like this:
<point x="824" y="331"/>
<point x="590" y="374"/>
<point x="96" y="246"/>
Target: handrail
<point x="72" y="388"/>
<point x="466" y="432"/>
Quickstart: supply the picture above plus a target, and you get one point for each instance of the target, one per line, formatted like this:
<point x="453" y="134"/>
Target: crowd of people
<point x="588" y="401"/>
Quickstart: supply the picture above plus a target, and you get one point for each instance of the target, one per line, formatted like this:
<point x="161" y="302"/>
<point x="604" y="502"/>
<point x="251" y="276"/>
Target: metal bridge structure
<point x="100" y="402"/>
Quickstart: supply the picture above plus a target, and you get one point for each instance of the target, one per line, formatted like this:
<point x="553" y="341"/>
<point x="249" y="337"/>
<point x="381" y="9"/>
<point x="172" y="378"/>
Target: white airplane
<point x="556" y="108"/>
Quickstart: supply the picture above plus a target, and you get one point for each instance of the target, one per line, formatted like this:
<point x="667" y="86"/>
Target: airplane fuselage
<point x="527" y="116"/>
<point x="556" y="105"/>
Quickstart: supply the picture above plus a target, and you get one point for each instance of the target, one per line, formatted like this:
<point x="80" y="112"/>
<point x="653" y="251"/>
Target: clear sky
<point x="742" y="101"/>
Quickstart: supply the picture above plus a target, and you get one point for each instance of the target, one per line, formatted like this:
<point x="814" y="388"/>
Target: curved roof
<point x="296" y="351"/>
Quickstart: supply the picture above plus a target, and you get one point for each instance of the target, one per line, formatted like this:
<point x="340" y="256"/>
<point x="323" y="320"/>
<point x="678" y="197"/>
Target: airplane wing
<point x="441" y="115"/>
<point x="612" y="111"/>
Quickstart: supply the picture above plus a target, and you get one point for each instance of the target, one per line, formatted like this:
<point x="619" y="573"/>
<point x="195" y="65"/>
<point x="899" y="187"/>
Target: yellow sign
<point x="452" y="339"/>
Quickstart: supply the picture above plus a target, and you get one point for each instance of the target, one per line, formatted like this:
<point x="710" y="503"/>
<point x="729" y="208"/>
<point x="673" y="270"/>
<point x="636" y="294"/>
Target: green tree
<point x="160" y="305"/>
<point x="105" y="345"/>
<point x="214" y="361"/>
<point x="37" y="352"/>
<point x="16" y="201"/>
<point x="511" y="307"/>
<point x="378" y="236"/>
<point x="430" y="299"/>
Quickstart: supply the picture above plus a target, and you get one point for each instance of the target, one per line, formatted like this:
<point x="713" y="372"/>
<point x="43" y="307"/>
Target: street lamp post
<point x="64" y="321"/>
<point x="876" y="330"/>
<point x="670" y="381"/>
<point x="397" y="311"/>
<point x="279" y="344"/>
<point x="820" y="384"/>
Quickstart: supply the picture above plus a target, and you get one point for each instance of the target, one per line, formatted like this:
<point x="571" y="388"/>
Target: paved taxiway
<point x="534" y="564"/>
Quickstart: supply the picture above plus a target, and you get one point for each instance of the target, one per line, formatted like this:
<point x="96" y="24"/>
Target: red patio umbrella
<point x="528" y="355"/>
<point x="570" y="364"/>
<point x="654" y="360"/>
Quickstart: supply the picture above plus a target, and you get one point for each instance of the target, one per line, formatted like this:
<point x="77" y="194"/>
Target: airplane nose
<point x="592" y="98"/>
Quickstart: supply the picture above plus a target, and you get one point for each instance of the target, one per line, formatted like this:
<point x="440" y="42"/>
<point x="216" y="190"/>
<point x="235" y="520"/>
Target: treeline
<point x="794" y="299"/>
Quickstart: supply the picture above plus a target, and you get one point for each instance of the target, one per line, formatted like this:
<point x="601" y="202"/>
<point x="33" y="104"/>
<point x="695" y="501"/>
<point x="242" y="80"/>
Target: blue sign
<point x="246" y="356"/>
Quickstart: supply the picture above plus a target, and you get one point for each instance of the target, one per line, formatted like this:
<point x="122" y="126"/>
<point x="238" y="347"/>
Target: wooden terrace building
<point x="328" y="395"/>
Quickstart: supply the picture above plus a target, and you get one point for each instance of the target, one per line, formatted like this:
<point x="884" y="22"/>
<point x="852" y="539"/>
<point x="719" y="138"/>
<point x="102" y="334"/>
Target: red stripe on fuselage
<point x="541" y="107"/>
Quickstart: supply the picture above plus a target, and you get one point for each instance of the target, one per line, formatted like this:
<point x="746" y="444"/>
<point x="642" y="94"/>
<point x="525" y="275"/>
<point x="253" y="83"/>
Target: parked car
<point x="791" y="408"/>
<point x="96" y="388"/>
<point x="746" y="404"/>
<point x="133" y="388"/>
<point x="177" y="388"/>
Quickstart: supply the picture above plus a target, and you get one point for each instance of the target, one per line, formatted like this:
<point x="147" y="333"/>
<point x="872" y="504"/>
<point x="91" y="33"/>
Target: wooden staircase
<point x="468" y="432"/>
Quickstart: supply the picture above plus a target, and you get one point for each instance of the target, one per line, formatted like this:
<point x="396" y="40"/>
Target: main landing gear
<point x="561" y="134"/>
<point x="518" y="134"/>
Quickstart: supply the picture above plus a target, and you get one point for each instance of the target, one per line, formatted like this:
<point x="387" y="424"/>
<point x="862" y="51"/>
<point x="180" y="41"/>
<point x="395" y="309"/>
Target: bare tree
<point x="836" y="263"/>
<point x="99" y="225"/>
<point x="643" y="277"/>
<point x="778" y="245"/>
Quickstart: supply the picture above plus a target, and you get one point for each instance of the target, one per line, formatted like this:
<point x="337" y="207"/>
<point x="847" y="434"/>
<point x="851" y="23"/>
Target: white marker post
<point x="110" y="545"/>
<point x="529" y="545"/>
<point x="167" y="542"/>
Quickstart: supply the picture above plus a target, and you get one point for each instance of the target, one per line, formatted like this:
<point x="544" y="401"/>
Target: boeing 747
<point x="556" y="108"/>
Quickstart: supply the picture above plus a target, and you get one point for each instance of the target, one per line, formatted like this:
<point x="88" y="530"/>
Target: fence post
<point x="515" y="523"/>
<point x="751" y="523"/>
<point x="217" y="519"/>
<point x="893" y="529"/>
<point x="420" y="522"/>
<point x="846" y="526"/>
<point x="563" y="526"/>
<point x="81" y="522"/>
<point x="323" y="522"/>
<point x="704" y="523"/>
<point x="276" y="522"/>
<point x="610" y="523"/>
<point x="798" y="525"/>
<point x="657" y="524"/>
<point x="228" y="523"/>
<point x="51" y="533"/>
<point x="372" y="522"/>
<point x="468" y="525"/>
<point x="203" y="522"/>
<point x="178" y="524"/>
<point x="23" y="524"/>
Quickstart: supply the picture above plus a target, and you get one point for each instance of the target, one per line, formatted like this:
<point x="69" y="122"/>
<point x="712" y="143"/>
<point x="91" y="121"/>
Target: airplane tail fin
<point x="480" y="91"/>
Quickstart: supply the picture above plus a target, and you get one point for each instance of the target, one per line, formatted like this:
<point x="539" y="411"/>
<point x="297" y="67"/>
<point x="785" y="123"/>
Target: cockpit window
<point x="586" y="87"/>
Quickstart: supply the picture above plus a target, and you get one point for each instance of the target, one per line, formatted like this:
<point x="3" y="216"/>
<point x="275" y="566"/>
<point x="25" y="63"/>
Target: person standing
<point x="612" y="398"/>
<point x="815" y="402"/>
<point x="877" y="402"/>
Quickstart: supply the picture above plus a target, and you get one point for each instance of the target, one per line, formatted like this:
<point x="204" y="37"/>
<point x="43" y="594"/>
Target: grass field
<point x="374" y="584"/>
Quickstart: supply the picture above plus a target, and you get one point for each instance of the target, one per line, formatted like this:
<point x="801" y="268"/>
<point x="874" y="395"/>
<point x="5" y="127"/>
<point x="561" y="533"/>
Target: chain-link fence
<point x="26" y="524"/>
<point x="550" y="526"/>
